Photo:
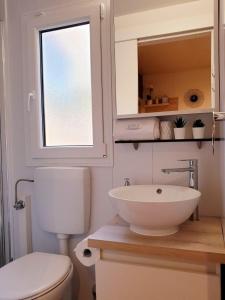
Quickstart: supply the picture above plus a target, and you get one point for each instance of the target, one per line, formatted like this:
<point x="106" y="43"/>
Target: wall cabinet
<point x="179" y="45"/>
<point x="173" y="73"/>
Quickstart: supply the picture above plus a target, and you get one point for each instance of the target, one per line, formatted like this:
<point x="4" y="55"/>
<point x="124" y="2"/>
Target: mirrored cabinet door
<point x="165" y="57"/>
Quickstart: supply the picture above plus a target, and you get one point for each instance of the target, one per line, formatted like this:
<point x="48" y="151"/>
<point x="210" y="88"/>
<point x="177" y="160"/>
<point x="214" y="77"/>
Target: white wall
<point x="177" y="84"/>
<point x="3" y="181"/>
<point x="142" y="166"/>
<point x="101" y="177"/>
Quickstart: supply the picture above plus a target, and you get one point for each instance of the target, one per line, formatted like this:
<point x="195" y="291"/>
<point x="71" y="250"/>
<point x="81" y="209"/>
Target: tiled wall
<point x="143" y="166"/>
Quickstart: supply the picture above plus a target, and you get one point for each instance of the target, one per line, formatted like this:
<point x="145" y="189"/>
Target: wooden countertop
<point x="199" y="241"/>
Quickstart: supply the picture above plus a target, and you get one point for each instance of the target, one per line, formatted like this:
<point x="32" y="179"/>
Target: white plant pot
<point x="198" y="132"/>
<point x="179" y="133"/>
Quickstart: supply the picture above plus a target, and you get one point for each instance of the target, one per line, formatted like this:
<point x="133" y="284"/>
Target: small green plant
<point x="198" y="123"/>
<point x="180" y="122"/>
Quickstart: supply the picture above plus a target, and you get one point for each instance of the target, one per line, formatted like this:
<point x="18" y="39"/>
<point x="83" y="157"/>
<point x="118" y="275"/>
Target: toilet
<point x="62" y="205"/>
<point x="41" y="276"/>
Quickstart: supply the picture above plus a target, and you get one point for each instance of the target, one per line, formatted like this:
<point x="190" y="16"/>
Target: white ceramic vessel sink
<point x="155" y="210"/>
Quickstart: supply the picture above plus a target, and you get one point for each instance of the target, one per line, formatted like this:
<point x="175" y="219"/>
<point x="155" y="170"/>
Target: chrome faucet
<point x="126" y="181"/>
<point x="192" y="169"/>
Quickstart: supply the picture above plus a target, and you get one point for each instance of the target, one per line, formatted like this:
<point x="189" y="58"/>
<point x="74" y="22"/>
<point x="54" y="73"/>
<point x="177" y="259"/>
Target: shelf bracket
<point x="199" y="144"/>
<point x="136" y="146"/>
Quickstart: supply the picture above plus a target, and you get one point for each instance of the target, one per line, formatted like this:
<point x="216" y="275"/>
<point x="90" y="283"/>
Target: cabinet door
<point x="123" y="281"/>
<point x="126" y="67"/>
<point x="220" y="19"/>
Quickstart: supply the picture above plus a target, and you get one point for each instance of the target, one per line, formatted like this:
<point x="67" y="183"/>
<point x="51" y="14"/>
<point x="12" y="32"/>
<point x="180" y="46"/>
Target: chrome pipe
<point x="20" y="204"/>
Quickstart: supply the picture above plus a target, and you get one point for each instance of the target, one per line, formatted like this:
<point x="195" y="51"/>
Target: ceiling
<point x="167" y="56"/>
<point x="123" y="7"/>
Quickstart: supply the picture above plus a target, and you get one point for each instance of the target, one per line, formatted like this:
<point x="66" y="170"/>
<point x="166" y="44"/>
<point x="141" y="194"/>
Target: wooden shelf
<point x="136" y="142"/>
<point x="201" y="241"/>
<point x="171" y="105"/>
<point x="158" y="104"/>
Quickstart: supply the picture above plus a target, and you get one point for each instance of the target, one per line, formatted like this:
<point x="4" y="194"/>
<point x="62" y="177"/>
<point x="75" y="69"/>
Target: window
<point x="63" y="88"/>
<point x="66" y="86"/>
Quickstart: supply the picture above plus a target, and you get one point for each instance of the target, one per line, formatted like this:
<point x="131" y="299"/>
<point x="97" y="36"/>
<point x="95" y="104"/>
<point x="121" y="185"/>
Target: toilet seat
<point x="33" y="275"/>
<point x="52" y="289"/>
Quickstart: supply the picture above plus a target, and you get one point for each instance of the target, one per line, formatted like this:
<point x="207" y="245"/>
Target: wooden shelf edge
<point x="158" y="105"/>
<point x="201" y="241"/>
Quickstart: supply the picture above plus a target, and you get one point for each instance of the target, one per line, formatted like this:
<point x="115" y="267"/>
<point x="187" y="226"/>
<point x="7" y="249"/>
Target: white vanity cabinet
<point x="118" y="280"/>
<point x="182" y="266"/>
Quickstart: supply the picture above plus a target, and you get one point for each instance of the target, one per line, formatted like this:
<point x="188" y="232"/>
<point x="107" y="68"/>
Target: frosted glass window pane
<point x="66" y="86"/>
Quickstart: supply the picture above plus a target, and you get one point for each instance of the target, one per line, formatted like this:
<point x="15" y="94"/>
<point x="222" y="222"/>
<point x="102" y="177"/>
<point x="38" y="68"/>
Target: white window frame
<point x="32" y="23"/>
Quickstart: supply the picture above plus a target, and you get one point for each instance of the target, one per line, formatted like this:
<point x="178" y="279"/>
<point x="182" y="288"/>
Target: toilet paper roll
<point x="86" y="255"/>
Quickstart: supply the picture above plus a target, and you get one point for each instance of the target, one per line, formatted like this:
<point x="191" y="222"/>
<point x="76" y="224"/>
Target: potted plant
<point x="198" y="129"/>
<point x="179" y="130"/>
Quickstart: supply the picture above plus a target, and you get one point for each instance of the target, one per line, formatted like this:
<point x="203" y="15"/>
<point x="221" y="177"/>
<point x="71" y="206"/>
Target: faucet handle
<point x="126" y="181"/>
<point x="190" y="159"/>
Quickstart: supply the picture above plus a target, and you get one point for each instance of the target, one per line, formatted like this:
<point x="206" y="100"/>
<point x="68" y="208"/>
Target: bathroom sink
<point x="155" y="210"/>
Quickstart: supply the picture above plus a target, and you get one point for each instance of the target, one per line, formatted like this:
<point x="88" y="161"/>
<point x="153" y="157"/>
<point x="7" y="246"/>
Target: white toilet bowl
<point x="41" y="276"/>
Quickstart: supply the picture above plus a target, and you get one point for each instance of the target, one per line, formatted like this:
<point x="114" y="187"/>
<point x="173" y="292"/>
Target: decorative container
<point x="166" y="130"/>
<point x="165" y="99"/>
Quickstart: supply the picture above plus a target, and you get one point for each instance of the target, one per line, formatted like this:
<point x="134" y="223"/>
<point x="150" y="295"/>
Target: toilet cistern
<point x="62" y="202"/>
<point x="192" y="170"/>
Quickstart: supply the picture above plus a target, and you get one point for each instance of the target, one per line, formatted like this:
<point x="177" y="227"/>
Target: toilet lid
<point x="32" y="274"/>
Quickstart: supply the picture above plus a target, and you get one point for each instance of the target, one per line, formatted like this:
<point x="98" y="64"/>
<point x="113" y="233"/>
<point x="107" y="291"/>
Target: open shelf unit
<point x="137" y="142"/>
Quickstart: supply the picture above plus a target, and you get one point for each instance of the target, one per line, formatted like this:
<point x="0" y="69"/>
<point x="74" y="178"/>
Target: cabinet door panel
<point x="220" y="20"/>
<point x="126" y="67"/>
<point x="122" y="281"/>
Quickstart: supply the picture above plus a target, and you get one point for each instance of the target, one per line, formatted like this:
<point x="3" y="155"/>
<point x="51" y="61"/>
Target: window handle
<point x="31" y="97"/>
<point x="102" y="11"/>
